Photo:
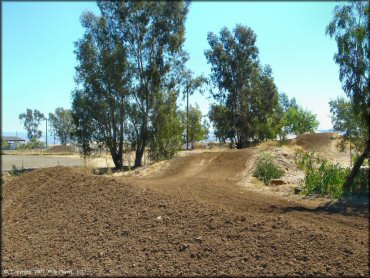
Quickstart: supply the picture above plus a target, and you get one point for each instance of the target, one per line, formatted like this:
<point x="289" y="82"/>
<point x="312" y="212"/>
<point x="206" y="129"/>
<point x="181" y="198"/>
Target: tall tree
<point x="166" y="129"/>
<point x="345" y="120"/>
<point x="220" y="117"/>
<point x="279" y="121"/>
<point x="154" y="33"/>
<point x="299" y="121"/>
<point x="62" y="124"/>
<point x="31" y="121"/>
<point x="103" y="79"/>
<point x="350" y="28"/>
<point x="190" y="85"/>
<point x="245" y="89"/>
<point x="197" y="129"/>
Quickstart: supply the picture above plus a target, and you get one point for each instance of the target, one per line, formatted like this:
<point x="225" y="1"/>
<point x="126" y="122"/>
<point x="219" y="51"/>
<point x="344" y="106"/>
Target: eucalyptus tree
<point x="350" y="28"/>
<point x="280" y="123"/>
<point x="190" y="85"/>
<point x="103" y="77"/>
<point x="351" y="126"/>
<point x="245" y="89"/>
<point x="153" y="34"/>
<point x="197" y="127"/>
<point x="166" y="129"/>
<point x="31" y="121"/>
<point x="298" y="121"/>
<point x="62" y="123"/>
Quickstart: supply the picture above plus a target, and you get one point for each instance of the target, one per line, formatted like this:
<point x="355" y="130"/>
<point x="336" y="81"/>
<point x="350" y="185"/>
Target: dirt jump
<point x="202" y="214"/>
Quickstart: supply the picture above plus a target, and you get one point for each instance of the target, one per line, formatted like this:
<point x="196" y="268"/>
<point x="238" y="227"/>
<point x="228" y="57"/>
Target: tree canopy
<point x="130" y="60"/>
<point x="197" y="127"/>
<point x="62" y="123"/>
<point x="298" y="121"/>
<point x="31" y="121"/>
<point x="102" y="76"/>
<point x="346" y="121"/>
<point x="350" y="28"/>
<point x="246" y="91"/>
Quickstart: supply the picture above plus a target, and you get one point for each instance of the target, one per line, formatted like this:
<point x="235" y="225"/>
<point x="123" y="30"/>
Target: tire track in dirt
<point x="222" y="178"/>
<point x="193" y="215"/>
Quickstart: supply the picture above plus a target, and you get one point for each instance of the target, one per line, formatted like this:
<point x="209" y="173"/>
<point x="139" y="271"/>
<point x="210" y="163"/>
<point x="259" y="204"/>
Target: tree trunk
<point x="121" y="137"/>
<point x="350" y="153"/>
<point x="187" y="120"/>
<point x="117" y="159"/>
<point x="356" y="168"/>
<point x="368" y="146"/>
<point x="242" y="142"/>
<point x="139" y="154"/>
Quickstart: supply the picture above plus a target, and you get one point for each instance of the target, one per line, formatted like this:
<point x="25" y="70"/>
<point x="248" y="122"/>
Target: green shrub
<point x="15" y="171"/>
<point x="326" y="179"/>
<point x="33" y="144"/>
<point x="267" y="168"/>
<point x="4" y="144"/>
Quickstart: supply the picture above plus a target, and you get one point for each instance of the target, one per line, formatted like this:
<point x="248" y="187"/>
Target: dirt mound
<point x="62" y="219"/>
<point x="318" y="141"/>
<point x="326" y="144"/>
<point x="60" y="149"/>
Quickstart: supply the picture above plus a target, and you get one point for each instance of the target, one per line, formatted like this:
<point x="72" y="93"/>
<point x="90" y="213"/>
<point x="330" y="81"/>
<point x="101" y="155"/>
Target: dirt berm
<point x="62" y="219"/>
<point x="59" y="149"/>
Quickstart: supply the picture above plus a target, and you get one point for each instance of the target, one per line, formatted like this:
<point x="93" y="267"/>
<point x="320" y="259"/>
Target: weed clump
<point x="267" y="168"/>
<point x="326" y="179"/>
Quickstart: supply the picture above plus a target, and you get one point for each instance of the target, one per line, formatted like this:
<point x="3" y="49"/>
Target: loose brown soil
<point x="194" y="220"/>
<point x="60" y="149"/>
<point x="326" y="144"/>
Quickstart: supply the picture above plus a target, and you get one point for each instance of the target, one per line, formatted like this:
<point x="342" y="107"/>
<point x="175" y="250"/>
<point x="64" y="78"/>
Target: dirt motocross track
<point x="193" y="215"/>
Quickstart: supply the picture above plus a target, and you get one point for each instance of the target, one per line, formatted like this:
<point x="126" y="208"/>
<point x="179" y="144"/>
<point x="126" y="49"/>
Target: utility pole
<point x="187" y="120"/>
<point x="46" y="129"/>
<point x="54" y="137"/>
<point x="350" y="151"/>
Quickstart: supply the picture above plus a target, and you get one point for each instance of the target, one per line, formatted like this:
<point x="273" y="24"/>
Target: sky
<point x="38" y="60"/>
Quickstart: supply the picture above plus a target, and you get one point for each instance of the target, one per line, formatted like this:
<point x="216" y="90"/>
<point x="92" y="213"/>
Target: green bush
<point x="33" y="144"/>
<point x="267" y="168"/>
<point x="4" y="144"/>
<point x="15" y="171"/>
<point x="326" y="179"/>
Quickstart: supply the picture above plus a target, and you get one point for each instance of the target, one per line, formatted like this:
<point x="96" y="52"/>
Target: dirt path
<point x="220" y="178"/>
<point x="215" y="178"/>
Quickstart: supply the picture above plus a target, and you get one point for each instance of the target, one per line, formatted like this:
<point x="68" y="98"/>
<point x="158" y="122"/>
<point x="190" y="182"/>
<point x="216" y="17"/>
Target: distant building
<point x="13" y="141"/>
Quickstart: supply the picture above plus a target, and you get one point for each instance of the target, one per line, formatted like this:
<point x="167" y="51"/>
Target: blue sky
<point x="38" y="60"/>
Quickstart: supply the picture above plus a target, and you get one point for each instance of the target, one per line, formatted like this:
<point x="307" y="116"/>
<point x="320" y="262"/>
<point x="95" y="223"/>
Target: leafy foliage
<point x="267" y="168"/>
<point x="350" y="28"/>
<point x="166" y="130"/>
<point x="31" y="121"/>
<point x="153" y="32"/>
<point x="34" y="143"/>
<point x="220" y="116"/>
<point x="197" y="129"/>
<point x="190" y="85"/>
<point x="279" y="123"/>
<point x="4" y="144"/>
<point x="346" y="121"/>
<point x="326" y="179"/>
<point x="298" y="121"/>
<point x="246" y="91"/>
<point x="103" y="76"/>
<point x="62" y="123"/>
